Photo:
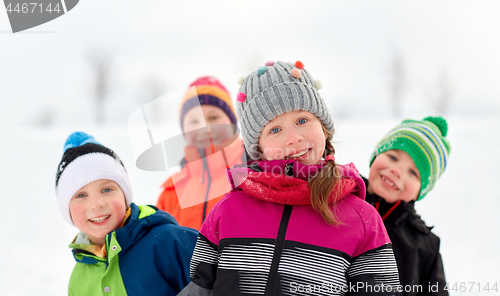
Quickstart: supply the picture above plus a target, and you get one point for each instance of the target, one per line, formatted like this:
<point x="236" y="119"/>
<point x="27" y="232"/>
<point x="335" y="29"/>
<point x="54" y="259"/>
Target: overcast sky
<point x="348" y="45"/>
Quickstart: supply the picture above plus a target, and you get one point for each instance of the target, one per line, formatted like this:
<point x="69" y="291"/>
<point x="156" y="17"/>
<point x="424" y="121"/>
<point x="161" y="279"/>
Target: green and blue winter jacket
<point x="149" y="255"/>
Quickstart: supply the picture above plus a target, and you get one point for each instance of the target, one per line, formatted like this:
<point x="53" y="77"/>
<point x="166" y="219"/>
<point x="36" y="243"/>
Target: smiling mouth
<point x="301" y="153"/>
<point x="99" y="219"/>
<point x="389" y="182"/>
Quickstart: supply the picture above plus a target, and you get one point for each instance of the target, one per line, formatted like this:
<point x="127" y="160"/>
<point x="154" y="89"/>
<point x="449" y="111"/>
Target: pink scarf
<point x="282" y="189"/>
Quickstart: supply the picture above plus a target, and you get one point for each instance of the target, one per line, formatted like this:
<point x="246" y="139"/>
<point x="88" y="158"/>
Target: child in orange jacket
<point x="208" y="122"/>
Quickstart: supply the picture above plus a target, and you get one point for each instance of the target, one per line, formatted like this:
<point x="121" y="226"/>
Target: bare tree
<point x="46" y="117"/>
<point x="101" y="65"/>
<point x="398" y="84"/>
<point x="442" y="93"/>
<point x="154" y="86"/>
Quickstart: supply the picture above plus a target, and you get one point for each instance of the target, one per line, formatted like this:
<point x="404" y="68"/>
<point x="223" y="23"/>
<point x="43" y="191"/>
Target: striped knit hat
<point x="84" y="161"/>
<point x="425" y="142"/>
<point x="272" y="90"/>
<point x="207" y="90"/>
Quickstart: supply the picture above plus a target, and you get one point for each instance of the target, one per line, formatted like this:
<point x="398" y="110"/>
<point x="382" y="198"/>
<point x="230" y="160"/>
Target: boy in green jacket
<point x="122" y="248"/>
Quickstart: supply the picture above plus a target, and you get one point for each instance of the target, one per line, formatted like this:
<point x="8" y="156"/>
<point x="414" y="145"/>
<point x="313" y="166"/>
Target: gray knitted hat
<point x="273" y="90"/>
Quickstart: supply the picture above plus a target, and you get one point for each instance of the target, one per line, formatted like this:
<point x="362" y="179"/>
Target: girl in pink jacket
<point x="295" y="222"/>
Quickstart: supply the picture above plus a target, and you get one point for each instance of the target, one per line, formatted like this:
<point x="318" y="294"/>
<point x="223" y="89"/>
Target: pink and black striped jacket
<point x="264" y="238"/>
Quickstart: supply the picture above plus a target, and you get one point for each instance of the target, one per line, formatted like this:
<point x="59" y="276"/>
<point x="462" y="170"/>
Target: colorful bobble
<point x="240" y="97"/>
<point x="269" y="63"/>
<point x="261" y="70"/>
<point x="240" y="80"/>
<point x="296" y="73"/>
<point x="299" y="65"/>
<point x="318" y="84"/>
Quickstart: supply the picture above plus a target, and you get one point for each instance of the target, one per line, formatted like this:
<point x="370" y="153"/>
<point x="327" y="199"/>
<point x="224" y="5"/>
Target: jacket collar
<point x="233" y="149"/>
<point x="405" y="211"/>
<point x="286" y="181"/>
<point x="137" y="218"/>
<point x="192" y="153"/>
<point x="82" y="241"/>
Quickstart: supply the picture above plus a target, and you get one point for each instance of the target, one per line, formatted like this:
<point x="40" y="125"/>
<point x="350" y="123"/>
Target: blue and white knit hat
<point x="425" y="142"/>
<point x="84" y="161"/>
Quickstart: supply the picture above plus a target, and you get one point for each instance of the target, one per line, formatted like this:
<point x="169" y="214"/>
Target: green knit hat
<point x="425" y="142"/>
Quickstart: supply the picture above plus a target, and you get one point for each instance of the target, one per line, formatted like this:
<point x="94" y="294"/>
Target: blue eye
<point x="413" y="173"/>
<point x="393" y="158"/>
<point x="80" y="195"/>
<point x="274" y="130"/>
<point x="107" y="190"/>
<point x="302" y="121"/>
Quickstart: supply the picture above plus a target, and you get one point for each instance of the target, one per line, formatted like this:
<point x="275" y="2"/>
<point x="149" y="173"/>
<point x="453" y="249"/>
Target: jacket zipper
<point x="278" y="250"/>
<point x="205" y="167"/>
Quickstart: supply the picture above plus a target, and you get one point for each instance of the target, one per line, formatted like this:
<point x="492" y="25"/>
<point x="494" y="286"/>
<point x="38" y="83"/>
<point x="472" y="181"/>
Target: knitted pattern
<point x="425" y="142"/>
<point x="207" y="91"/>
<point x="273" y="90"/>
<point x="85" y="161"/>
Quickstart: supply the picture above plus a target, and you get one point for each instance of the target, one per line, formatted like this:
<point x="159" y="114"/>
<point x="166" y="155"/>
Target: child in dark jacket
<point x="405" y="166"/>
<point x="295" y="222"/>
<point x="122" y="248"/>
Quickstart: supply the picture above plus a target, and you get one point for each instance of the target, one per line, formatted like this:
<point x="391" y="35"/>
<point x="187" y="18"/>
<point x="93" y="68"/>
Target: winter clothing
<point x="207" y="90"/>
<point x="259" y="241"/>
<point x="416" y="248"/>
<point x="273" y="90"/>
<point x="149" y="255"/>
<point x="202" y="181"/>
<point x="425" y="142"/>
<point x="84" y="161"/>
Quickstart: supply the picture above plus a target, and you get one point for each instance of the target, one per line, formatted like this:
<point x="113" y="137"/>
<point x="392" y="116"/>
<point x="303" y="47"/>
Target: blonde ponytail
<point x="323" y="183"/>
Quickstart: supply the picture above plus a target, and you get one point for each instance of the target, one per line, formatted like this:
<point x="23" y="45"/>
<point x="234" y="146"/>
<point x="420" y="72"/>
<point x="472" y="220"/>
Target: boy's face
<point x="198" y="130"/>
<point x="294" y="135"/>
<point x="394" y="176"/>
<point x="97" y="209"/>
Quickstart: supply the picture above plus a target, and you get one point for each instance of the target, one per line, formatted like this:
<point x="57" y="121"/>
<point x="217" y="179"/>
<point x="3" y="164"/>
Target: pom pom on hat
<point x="440" y="123"/>
<point x="296" y="73"/>
<point x="318" y="84"/>
<point x="299" y="65"/>
<point x="207" y="90"/>
<point x="261" y="70"/>
<point x="208" y="80"/>
<point x="269" y="63"/>
<point x="240" y="97"/>
<point x="273" y="94"/>
<point x="78" y="139"/>
<point x="240" y="80"/>
<point x="425" y="142"/>
<point x="84" y="161"/>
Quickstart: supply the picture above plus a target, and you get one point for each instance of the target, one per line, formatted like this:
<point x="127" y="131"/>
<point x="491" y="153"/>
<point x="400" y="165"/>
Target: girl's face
<point x="201" y="123"/>
<point x="394" y="176"/>
<point x="294" y="135"/>
<point x="98" y="208"/>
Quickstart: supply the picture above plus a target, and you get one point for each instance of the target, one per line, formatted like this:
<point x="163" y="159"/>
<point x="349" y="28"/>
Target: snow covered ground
<point x="35" y="259"/>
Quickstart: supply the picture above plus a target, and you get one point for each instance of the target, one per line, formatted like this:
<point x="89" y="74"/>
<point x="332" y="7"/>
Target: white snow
<point x="35" y="259"/>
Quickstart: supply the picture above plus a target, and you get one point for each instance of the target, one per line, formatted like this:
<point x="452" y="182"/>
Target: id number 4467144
<point x="33" y="7"/>
<point x="472" y="287"/>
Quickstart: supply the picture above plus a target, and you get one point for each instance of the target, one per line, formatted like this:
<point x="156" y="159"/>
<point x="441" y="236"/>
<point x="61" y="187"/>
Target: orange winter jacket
<point x="191" y="193"/>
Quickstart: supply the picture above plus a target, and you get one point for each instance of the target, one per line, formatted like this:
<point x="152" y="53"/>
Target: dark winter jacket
<point x="265" y="238"/>
<point x="149" y="255"/>
<point x="416" y="248"/>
